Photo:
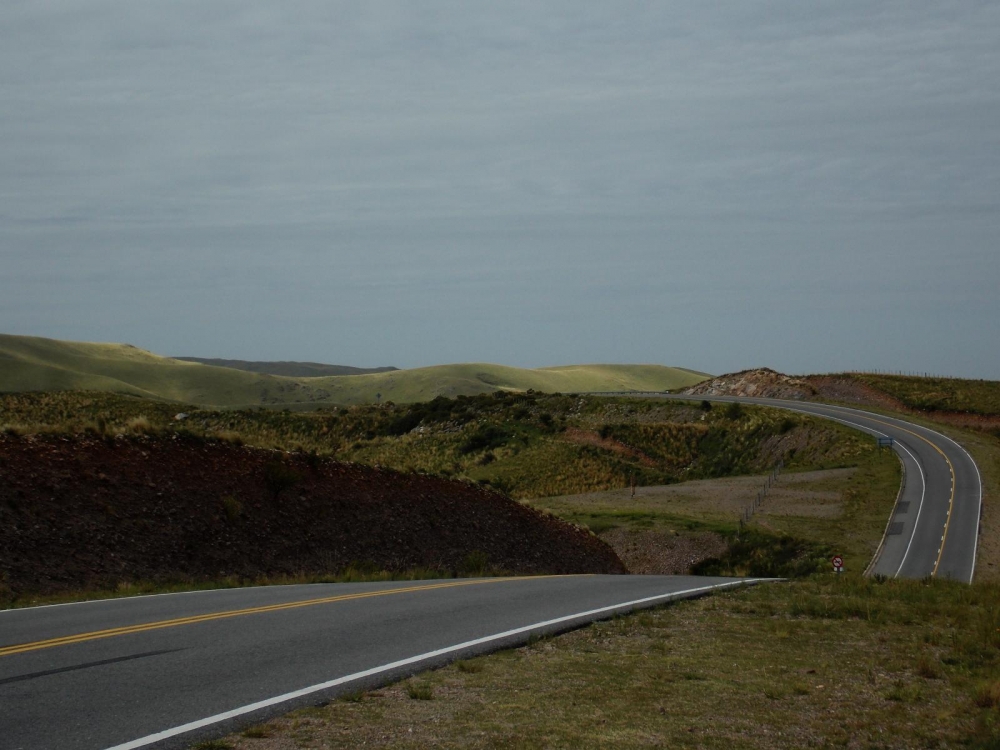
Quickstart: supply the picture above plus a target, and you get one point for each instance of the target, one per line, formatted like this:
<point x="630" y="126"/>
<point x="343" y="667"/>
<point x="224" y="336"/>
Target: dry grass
<point x="747" y="669"/>
<point x="816" y="494"/>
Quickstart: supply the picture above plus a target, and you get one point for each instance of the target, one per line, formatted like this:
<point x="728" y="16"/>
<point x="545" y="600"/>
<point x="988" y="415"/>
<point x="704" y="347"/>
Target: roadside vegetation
<point x="827" y="662"/>
<point x="938" y="394"/>
<point x="819" y="661"/>
<point x="525" y="445"/>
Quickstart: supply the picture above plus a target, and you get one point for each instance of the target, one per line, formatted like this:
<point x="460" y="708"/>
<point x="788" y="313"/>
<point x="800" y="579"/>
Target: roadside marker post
<point x="838" y="564"/>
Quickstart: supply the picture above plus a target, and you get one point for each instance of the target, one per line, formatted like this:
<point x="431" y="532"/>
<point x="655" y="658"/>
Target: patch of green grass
<point x="258" y="731"/>
<point x="938" y="394"/>
<point x="419" y="691"/>
<point x="213" y="745"/>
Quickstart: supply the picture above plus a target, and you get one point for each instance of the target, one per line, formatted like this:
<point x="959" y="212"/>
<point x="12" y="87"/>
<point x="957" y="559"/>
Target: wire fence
<point x="752" y="507"/>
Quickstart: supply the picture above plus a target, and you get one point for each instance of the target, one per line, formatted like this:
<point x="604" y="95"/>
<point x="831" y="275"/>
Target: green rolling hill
<point x="37" y="364"/>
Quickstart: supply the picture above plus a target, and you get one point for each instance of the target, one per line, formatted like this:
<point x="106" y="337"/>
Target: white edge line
<point x="898" y="421"/>
<point x="901" y="444"/>
<point x="885" y="534"/>
<point x="979" y="477"/>
<point x="979" y="519"/>
<point x="923" y="479"/>
<point x="920" y="508"/>
<point x="251" y="707"/>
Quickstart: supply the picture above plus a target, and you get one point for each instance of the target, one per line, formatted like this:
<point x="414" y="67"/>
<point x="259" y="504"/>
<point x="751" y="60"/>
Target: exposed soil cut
<point x="766" y="383"/>
<point x="586" y="437"/>
<point x="760" y="383"/>
<point x="90" y="512"/>
<point x="649" y="552"/>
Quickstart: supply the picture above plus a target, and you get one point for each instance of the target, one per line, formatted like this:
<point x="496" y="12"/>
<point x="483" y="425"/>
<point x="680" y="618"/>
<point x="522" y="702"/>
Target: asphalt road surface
<point x="170" y="670"/>
<point x="934" y="527"/>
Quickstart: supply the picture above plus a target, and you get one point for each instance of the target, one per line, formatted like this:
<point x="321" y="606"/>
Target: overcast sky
<point x="811" y="187"/>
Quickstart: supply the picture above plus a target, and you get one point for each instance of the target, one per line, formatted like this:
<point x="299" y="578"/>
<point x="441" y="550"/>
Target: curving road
<point x="166" y="671"/>
<point x="934" y="527"/>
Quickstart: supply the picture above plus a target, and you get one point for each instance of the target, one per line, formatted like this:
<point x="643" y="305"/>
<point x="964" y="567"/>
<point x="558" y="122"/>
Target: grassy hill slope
<point x="37" y="364"/>
<point x="290" y="369"/>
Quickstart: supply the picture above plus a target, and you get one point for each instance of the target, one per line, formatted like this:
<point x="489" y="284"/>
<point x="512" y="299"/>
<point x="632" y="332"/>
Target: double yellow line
<point x="951" y="500"/>
<point x="144" y="627"/>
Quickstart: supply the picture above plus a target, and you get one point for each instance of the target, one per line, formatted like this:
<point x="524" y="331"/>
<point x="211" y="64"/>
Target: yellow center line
<point x="951" y="500"/>
<point x="144" y="627"/>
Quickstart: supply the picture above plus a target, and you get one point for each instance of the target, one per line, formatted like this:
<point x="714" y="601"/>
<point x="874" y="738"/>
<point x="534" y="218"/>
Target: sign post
<point x="838" y="564"/>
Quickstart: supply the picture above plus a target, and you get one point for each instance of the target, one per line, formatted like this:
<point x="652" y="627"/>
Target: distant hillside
<point x="288" y="369"/>
<point x="36" y="364"/>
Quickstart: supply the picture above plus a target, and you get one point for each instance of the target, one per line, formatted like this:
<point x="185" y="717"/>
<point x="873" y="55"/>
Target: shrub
<point x="232" y="507"/>
<point x="279" y="477"/>
<point x="476" y="563"/>
<point x="139" y="425"/>
<point x="758" y="554"/>
<point x="927" y="668"/>
<point x="734" y="410"/>
<point x="988" y="696"/>
<point x="487" y="437"/>
<point x="258" y="731"/>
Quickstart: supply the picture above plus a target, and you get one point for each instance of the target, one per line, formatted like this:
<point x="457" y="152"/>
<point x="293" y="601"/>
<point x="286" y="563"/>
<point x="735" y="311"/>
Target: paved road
<point x="166" y="671"/>
<point x="934" y="528"/>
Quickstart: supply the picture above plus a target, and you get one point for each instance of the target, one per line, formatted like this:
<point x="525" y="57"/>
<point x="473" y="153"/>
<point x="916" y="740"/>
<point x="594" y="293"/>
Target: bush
<point x="232" y="507"/>
<point x="139" y="426"/>
<point x="475" y="564"/>
<point x="757" y="554"/>
<point x="485" y="438"/>
<point x="988" y="696"/>
<point x="279" y="477"/>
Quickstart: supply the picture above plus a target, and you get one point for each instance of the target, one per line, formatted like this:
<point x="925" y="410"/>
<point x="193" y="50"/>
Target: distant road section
<point x="167" y="671"/>
<point x="934" y="528"/>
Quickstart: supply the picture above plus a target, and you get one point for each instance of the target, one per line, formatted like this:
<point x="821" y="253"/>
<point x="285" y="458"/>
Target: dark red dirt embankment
<point x="89" y="512"/>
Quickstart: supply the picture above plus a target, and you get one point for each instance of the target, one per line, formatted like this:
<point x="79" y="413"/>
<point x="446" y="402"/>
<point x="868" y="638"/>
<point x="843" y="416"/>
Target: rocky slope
<point x="759" y="383"/>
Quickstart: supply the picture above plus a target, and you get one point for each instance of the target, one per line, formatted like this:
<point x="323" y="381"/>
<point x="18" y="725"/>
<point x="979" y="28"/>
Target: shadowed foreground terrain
<point x="85" y="512"/>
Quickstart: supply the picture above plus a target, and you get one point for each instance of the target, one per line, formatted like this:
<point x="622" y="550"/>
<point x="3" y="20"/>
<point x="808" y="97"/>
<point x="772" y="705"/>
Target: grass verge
<point x="832" y="662"/>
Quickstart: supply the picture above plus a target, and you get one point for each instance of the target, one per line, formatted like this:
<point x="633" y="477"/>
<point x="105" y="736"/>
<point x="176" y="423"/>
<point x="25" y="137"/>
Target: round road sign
<point x="838" y="562"/>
